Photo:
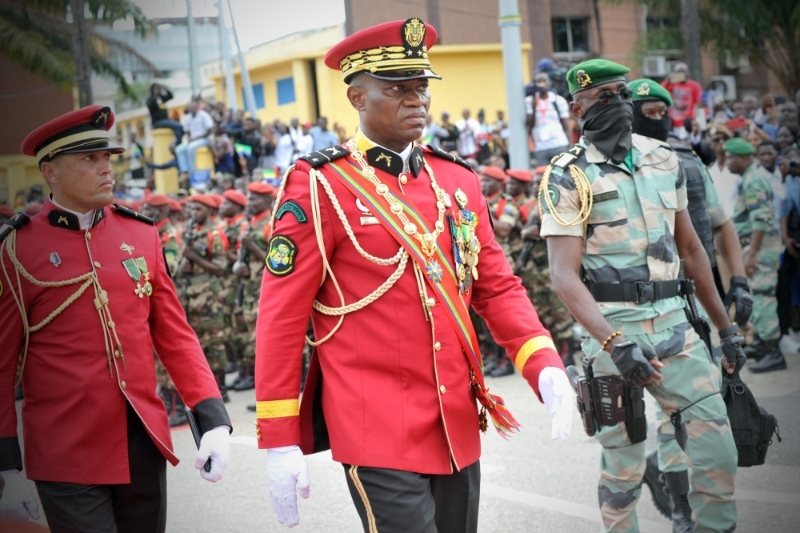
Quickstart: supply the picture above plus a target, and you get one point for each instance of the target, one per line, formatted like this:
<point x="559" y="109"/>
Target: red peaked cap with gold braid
<point x="82" y="130"/>
<point x="392" y="51"/>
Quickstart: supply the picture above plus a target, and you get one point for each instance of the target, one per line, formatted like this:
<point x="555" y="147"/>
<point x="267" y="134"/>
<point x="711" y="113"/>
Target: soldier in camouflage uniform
<point x="232" y="211"/>
<point x="157" y="207"/>
<point x="615" y="219"/>
<point x="205" y="259"/>
<point x="249" y="266"/>
<point x="651" y="104"/>
<point x="754" y="220"/>
<point x="507" y="227"/>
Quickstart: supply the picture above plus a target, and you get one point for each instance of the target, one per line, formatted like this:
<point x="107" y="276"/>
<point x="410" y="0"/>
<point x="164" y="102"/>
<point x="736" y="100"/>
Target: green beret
<point x="594" y="72"/>
<point x="647" y="89"/>
<point x="738" y="146"/>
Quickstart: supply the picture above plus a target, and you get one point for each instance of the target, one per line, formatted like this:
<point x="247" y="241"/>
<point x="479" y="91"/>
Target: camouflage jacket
<point x="171" y="241"/>
<point x="754" y="209"/>
<point x="629" y="235"/>
<point x="210" y="243"/>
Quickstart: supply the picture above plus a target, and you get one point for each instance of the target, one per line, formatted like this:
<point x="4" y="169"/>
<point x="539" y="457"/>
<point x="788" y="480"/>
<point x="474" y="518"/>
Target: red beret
<point x="157" y="200"/>
<point x="236" y="197"/>
<point x="541" y="170"/>
<point x="82" y="130"/>
<point x="520" y="175"/>
<point x="396" y="50"/>
<point x="261" y="187"/>
<point x="175" y="205"/>
<point x="6" y="211"/>
<point x="205" y="199"/>
<point x="495" y="173"/>
<point x="33" y="209"/>
<point x="217" y="199"/>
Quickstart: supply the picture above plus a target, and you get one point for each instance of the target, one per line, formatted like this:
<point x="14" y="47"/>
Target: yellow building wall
<point x="18" y="173"/>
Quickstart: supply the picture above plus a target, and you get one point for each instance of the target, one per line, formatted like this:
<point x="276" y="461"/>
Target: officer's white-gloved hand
<point x="287" y="472"/>
<point x="558" y="398"/>
<point x="18" y="502"/>
<point x="215" y="444"/>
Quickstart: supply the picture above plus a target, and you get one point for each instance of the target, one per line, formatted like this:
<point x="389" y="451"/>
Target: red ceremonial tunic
<point x="74" y="412"/>
<point x="394" y="394"/>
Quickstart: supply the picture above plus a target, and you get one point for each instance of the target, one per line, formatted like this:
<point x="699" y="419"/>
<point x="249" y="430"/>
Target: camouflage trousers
<point x="552" y="312"/>
<point x="709" y="445"/>
<point x="765" y="304"/>
<point x="206" y="313"/>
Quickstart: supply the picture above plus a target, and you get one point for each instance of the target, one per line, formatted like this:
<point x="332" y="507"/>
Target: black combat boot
<point x="658" y="487"/>
<point x="504" y="368"/>
<point x="231" y="367"/>
<point x="239" y="377"/>
<point x="219" y="376"/>
<point x="490" y="359"/>
<point x="772" y="359"/>
<point x="251" y="407"/>
<point x="178" y="415"/>
<point x="755" y="350"/>
<point x="678" y="486"/>
<point x="248" y="380"/>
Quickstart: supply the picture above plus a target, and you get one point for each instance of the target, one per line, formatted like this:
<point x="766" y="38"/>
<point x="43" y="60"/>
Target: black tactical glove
<point x="739" y="295"/>
<point x="732" y="350"/>
<point x="632" y="363"/>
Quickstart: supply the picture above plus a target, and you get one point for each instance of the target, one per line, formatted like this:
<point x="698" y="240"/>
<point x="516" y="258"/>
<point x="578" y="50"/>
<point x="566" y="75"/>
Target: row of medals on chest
<point x="467" y="245"/>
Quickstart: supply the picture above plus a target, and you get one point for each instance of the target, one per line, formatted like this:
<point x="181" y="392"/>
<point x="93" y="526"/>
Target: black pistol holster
<point x="607" y="401"/>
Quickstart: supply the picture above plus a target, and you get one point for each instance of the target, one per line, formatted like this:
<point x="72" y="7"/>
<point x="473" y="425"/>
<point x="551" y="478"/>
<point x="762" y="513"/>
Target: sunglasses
<point x="606" y="97"/>
<point x="719" y="139"/>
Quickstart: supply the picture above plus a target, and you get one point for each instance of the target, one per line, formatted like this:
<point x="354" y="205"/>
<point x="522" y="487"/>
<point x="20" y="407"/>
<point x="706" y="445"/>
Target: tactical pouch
<point x="635" y="419"/>
<point x="751" y="425"/>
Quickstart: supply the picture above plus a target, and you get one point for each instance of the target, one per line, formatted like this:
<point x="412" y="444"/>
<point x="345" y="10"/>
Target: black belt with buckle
<point x="636" y="291"/>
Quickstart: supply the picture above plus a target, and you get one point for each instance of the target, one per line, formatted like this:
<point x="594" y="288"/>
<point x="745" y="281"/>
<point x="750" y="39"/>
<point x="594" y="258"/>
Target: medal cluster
<point x="466" y="245"/>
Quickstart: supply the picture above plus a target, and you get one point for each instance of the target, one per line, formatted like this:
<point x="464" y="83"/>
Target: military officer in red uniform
<point x="86" y="299"/>
<point x="386" y="244"/>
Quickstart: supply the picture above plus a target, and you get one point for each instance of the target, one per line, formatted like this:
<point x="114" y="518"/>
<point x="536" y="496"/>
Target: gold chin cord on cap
<point x="110" y="336"/>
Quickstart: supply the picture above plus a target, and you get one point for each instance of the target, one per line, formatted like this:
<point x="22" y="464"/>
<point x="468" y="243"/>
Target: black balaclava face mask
<point x="608" y="127"/>
<point x="648" y="127"/>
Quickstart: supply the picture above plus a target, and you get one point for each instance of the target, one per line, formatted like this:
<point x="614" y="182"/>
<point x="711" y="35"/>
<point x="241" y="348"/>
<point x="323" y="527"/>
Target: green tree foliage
<point x="35" y="34"/>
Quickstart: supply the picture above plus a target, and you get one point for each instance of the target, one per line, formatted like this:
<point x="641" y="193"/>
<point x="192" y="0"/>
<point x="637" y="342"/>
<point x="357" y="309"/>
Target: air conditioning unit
<point x="654" y="66"/>
<point x="726" y="85"/>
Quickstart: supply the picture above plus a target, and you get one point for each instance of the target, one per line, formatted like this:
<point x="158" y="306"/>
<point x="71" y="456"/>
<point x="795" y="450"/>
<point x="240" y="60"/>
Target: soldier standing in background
<point x="617" y="228"/>
<point x="651" y="103"/>
<point x="205" y="259"/>
<point x="248" y="269"/>
<point x="232" y="212"/>
<point x="157" y="207"/>
<point x="753" y="218"/>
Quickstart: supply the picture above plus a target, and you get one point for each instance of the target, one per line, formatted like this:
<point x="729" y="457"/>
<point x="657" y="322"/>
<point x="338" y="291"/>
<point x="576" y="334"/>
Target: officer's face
<point x="591" y="97"/>
<point x="737" y="164"/>
<point x="655" y="110"/>
<point x="81" y="182"/>
<point x="767" y="155"/>
<point x="229" y="209"/>
<point x="197" y="211"/>
<point x="392" y="113"/>
<point x="490" y="186"/>
<point x="257" y="203"/>
<point x="515" y="187"/>
<point x="156" y="213"/>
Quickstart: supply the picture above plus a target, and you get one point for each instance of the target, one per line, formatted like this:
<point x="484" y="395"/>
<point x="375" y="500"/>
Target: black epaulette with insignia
<point x="130" y="213"/>
<point x="15" y="222"/>
<point x="326" y="155"/>
<point x="567" y="158"/>
<point x="450" y="157"/>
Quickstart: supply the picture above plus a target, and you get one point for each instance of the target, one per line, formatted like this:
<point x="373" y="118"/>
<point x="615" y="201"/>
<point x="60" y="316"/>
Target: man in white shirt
<point x="727" y="184"/>
<point x="468" y="131"/>
<point x="548" y="120"/>
<point x="199" y="126"/>
<point x="305" y="142"/>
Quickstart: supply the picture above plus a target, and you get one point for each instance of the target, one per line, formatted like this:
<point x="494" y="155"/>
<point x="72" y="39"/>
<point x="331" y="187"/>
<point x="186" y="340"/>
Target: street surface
<point x="529" y="484"/>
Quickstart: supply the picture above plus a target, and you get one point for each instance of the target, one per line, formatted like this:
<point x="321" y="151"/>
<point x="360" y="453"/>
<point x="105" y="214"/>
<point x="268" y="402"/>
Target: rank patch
<point x="281" y="255"/>
<point x="290" y="206"/>
<point x="555" y="196"/>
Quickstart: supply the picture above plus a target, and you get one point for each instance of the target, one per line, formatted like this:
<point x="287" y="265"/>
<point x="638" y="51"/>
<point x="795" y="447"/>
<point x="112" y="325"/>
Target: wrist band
<point x="610" y="337"/>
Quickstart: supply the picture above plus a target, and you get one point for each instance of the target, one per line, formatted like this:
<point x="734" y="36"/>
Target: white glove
<point x="287" y="470"/>
<point x="215" y="444"/>
<point x="558" y="398"/>
<point x="18" y="502"/>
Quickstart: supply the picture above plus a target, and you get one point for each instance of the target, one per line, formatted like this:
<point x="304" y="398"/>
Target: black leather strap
<point x="636" y="292"/>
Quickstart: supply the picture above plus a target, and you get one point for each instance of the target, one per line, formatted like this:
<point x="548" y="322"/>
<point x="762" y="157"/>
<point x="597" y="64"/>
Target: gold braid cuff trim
<point x="277" y="409"/>
<point x="531" y="347"/>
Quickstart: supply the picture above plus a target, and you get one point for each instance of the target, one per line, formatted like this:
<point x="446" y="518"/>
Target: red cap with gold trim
<point x="392" y="51"/>
<point x="82" y="130"/>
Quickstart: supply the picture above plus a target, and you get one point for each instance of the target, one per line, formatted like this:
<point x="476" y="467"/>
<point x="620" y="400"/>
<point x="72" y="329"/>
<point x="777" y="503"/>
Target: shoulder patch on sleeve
<point x="290" y="206"/>
<point x="15" y="222"/>
<point x="130" y="213"/>
<point x="570" y="156"/>
<point x="281" y="255"/>
<point x="326" y="155"/>
<point x="438" y="152"/>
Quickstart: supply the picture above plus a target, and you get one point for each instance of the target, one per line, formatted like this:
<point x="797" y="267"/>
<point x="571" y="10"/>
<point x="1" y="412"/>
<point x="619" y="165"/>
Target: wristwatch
<point x="731" y="330"/>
